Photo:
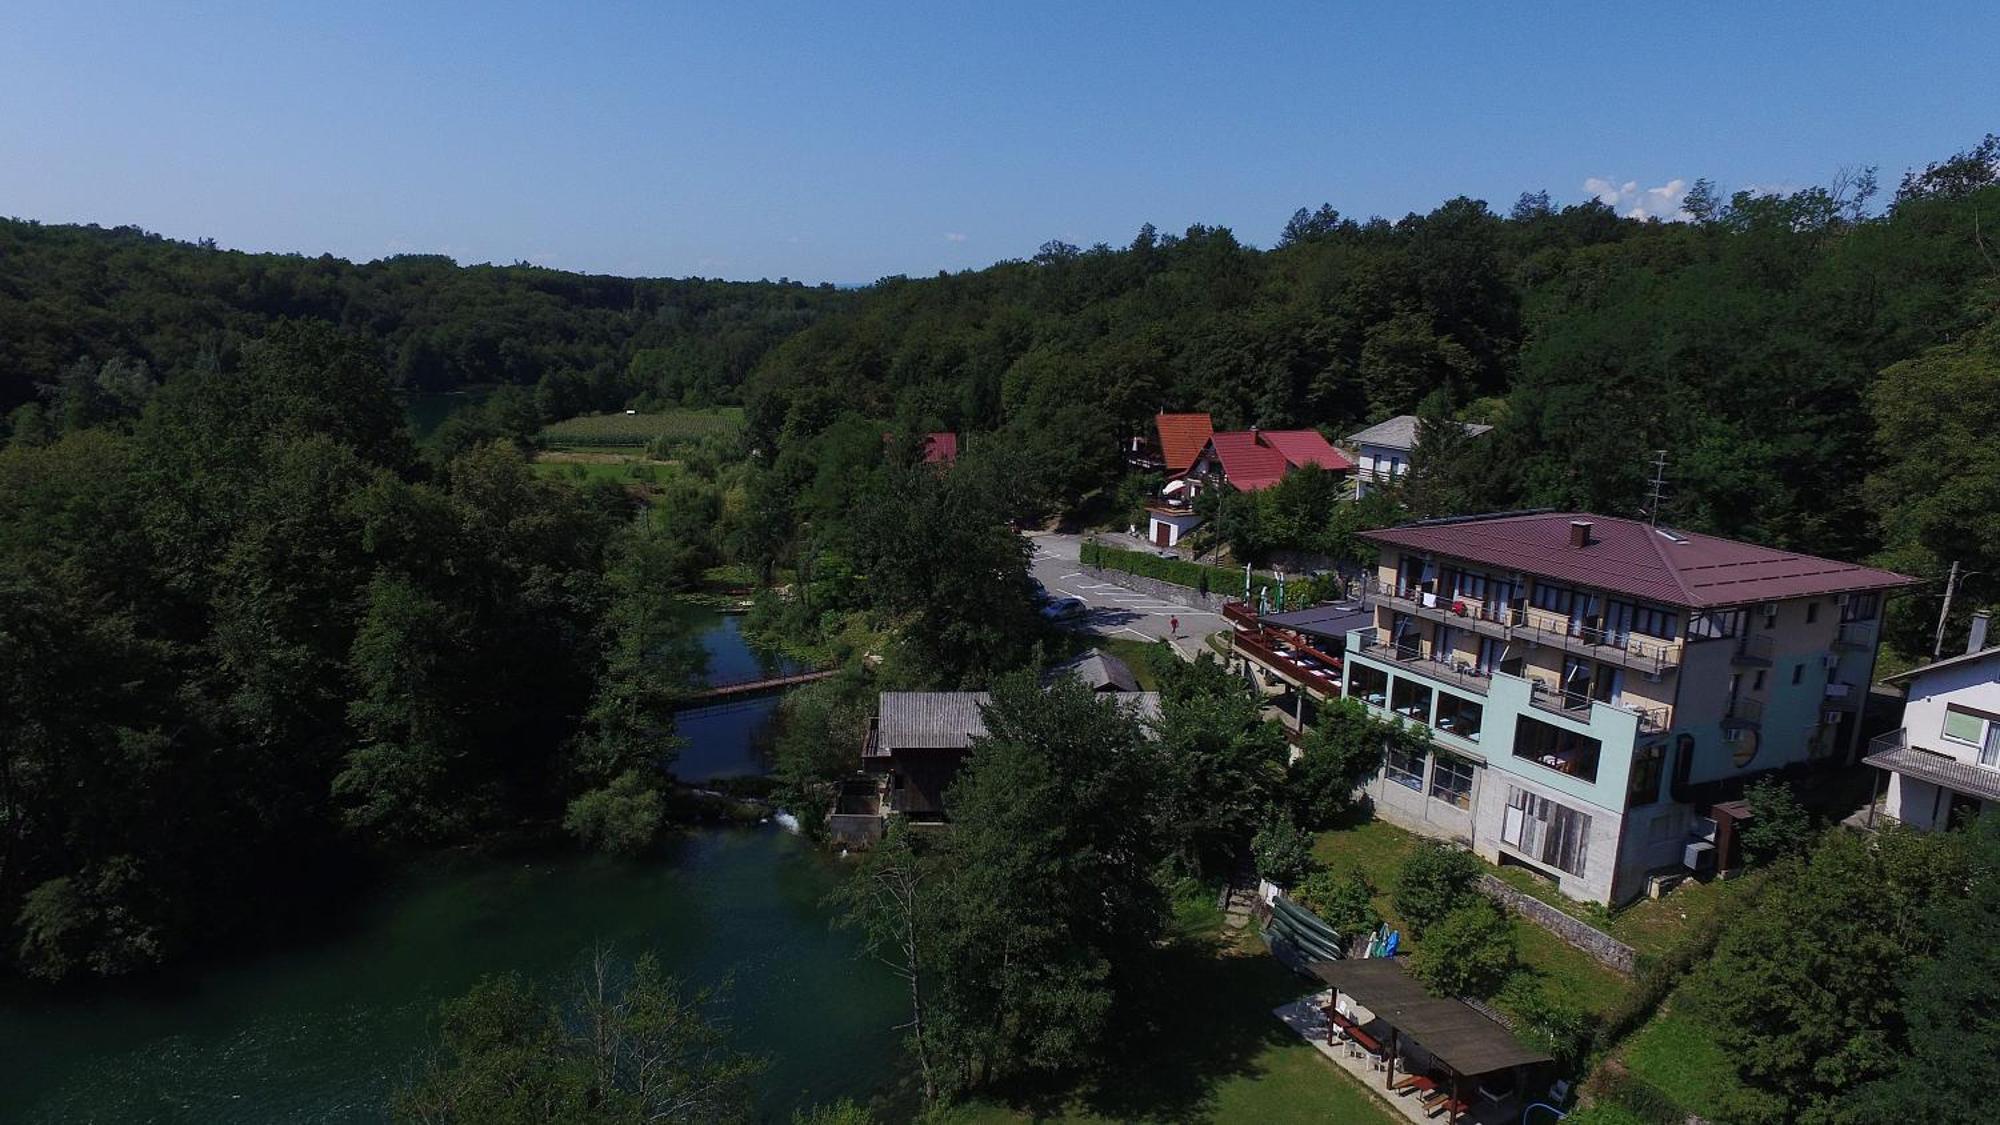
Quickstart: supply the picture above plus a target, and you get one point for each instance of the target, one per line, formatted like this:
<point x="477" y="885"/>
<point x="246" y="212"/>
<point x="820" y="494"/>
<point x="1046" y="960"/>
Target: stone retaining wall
<point x="1154" y="587"/>
<point x="1573" y="931"/>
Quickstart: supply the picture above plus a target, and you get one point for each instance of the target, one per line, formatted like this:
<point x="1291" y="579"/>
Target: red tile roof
<point x="1306" y="447"/>
<point x="1247" y="463"/>
<point x="1182" y="437"/>
<point x="1254" y="459"/>
<point x="940" y="448"/>
<point x="1629" y="557"/>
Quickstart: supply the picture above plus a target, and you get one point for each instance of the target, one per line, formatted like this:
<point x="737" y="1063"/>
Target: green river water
<point x="322" y="1031"/>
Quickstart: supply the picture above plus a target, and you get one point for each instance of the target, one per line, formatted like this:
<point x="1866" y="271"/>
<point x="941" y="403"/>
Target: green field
<point x="1677" y="1058"/>
<point x="622" y="429"/>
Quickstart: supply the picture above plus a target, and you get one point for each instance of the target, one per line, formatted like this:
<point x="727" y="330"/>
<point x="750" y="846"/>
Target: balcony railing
<point x="1883" y="743"/>
<point x="1457" y="673"/>
<point x="1744" y="711"/>
<point x="1855" y="635"/>
<point x="1312" y="670"/>
<point x="1752" y="648"/>
<point x="1516" y="620"/>
<point x="1577" y="705"/>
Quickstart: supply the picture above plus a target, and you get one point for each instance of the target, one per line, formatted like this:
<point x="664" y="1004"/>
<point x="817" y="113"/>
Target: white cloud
<point x="1635" y="202"/>
<point x="953" y="236"/>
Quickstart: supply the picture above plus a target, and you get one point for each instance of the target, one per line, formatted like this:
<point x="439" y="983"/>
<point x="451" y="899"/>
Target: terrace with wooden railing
<point x="1520" y="621"/>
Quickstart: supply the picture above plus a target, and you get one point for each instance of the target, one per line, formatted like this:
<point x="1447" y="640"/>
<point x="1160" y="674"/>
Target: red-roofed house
<point x="1253" y="459"/>
<point x="1596" y="691"/>
<point x="1246" y="459"/>
<point x="940" y="448"/>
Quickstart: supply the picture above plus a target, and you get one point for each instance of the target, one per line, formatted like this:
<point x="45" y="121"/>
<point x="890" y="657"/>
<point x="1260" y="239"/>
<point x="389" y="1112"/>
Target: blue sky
<point x="844" y="142"/>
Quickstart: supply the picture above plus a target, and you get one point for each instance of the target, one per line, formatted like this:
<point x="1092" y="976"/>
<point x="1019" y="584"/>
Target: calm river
<point x="322" y="1032"/>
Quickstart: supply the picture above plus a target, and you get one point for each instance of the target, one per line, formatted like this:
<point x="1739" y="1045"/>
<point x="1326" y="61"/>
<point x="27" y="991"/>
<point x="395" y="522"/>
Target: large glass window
<point x="1470" y="585"/>
<point x="1714" y="623"/>
<point x="1405" y="767"/>
<point x="1661" y="623"/>
<point x="1411" y="700"/>
<point x="1451" y="781"/>
<point x="1648" y="762"/>
<point x="1459" y="715"/>
<point x="1554" y="598"/>
<point x="1545" y="831"/>
<point x="1560" y="750"/>
<point x="1862" y="607"/>
<point x="1369" y="685"/>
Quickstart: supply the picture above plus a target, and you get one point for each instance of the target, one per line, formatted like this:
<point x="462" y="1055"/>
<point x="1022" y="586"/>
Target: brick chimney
<point x="1579" y="533"/>
<point x="1975" y="641"/>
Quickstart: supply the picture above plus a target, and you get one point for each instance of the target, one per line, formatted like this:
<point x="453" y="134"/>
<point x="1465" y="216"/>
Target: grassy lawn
<point x="639" y="429"/>
<point x="591" y="468"/>
<point x="1135" y="653"/>
<point x="1675" y="1056"/>
<point x="1377" y="849"/>
<point x="1652" y="926"/>
<point x="1214" y="1052"/>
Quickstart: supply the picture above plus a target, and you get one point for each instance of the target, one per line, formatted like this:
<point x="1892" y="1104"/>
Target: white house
<point x="1382" y="451"/>
<point x="1943" y="763"/>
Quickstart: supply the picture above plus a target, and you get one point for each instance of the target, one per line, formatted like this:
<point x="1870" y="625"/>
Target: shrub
<point x="1346" y="904"/>
<point x="1283" y="852"/>
<point x="1468" y="952"/>
<point x="622" y="817"/>
<point x="1778" y="826"/>
<point x="1339" y="753"/>
<point x="1555" y="1024"/>
<point x="1436" y="880"/>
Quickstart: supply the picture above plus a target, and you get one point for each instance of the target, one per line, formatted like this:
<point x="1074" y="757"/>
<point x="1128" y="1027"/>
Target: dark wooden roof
<point x="1453" y="1032"/>
<point x="1324" y="620"/>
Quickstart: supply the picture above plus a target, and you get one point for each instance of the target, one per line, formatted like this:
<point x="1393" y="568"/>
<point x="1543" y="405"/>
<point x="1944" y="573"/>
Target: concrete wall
<point x="1975" y="684"/>
<point x="1574" y="932"/>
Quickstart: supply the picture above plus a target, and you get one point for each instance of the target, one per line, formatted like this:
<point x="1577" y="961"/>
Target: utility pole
<point x="1657" y="487"/>
<point x="1950" y="587"/>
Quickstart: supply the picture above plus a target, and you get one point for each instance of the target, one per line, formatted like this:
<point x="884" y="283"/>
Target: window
<point x="1555" y="599"/>
<point x="1660" y="623"/>
<point x="1471" y="586"/>
<point x="1647" y="764"/>
<point x="1460" y="716"/>
<point x="1974" y="728"/>
<point x="1370" y="685"/>
<point x="1798" y="673"/>
<point x="1545" y="831"/>
<point x="1451" y="781"/>
<point x="1812" y="612"/>
<point x="1757" y="681"/>
<point x="1861" y="607"/>
<point x="1715" y="623"/>
<point x="1411" y="700"/>
<point x="1405" y="767"/>
<point x="1560" y="750"/>
<point x="1770" y="612"/>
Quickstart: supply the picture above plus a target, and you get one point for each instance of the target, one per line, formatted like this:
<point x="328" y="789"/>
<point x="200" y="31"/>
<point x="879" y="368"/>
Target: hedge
<point x="1221" y="580"/>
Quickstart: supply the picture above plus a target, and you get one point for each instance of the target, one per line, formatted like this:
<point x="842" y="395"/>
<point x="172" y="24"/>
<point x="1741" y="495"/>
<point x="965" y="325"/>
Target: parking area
<point x="1113" y="610"/>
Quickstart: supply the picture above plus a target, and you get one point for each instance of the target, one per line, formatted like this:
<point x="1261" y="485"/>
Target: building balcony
<point x="1743" y="712"/>
<point x="1855" y="635"/>
<point x="1410" y="657"/>
<point x="1577" y="705"/>
<point x="1753" y="650"/>
<point x="1308" y="669"/>
<point x="1539" y="627"/>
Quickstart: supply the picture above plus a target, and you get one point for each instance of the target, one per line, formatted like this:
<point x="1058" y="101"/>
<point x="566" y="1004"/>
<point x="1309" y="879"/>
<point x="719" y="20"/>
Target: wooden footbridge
<point x="722" y="693"/>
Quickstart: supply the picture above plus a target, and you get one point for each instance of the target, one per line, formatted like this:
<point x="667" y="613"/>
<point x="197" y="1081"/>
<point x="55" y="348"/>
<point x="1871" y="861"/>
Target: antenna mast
<point x="1657" y="487"/>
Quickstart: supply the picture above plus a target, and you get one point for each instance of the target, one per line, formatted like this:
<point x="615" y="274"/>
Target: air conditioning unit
<point x="1702" y="828"/>
<point x="1732" y="734"/>
<point x="1830" y="661"/>
<point x="1840" y="600"/>
<point x="1830" y="718"/>
<point x="1698" y="857"/>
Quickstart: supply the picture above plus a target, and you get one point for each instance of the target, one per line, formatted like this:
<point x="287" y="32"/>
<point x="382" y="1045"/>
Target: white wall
<point x="1974" y="684"/>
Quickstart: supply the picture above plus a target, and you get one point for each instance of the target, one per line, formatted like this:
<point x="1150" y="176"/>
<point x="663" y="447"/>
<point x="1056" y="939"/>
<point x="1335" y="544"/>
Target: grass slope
<point x="639" y="429"/>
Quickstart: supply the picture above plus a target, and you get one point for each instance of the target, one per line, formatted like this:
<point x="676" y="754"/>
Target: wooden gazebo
<point x="1459" y="1038"/>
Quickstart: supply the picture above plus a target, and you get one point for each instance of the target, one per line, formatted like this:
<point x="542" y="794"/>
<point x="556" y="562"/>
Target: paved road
<point x="1115" y="610"/>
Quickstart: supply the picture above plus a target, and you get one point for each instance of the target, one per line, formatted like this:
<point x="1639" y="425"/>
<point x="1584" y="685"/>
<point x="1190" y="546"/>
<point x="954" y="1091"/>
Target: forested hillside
<point x="75" y="293"/>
